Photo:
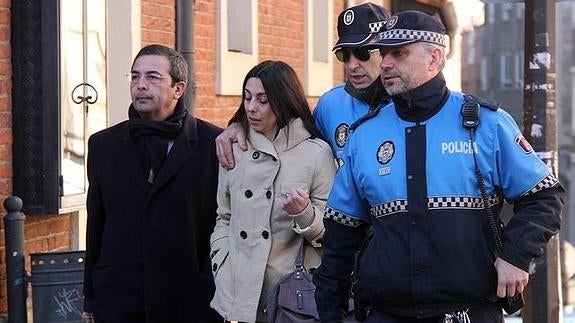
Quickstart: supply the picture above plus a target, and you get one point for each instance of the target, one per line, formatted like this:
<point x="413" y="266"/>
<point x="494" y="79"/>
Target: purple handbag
<point x="292" y="299"/>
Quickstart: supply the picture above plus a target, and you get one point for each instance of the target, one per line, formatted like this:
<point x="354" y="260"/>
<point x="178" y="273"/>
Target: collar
<point x="423" y="102"/>
<point x="288" y="137"/>
<point x="373" y="95"/>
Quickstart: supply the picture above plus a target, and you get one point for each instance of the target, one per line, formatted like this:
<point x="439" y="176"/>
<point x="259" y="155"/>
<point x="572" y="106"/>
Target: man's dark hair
<point x="178" y="64"/>
<point x="284" y="92"/>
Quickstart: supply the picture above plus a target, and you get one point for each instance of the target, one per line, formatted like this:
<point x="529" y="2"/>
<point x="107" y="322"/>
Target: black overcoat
<point x="147" y="255"/>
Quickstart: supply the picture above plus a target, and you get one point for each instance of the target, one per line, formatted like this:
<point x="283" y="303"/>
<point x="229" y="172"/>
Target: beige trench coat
<point x="255" y="242"/>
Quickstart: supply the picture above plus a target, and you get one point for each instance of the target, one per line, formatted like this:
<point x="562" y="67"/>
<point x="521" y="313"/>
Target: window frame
<point x="232" y="66"/>
<point x="318" y="73"/>
<point x="37" y="110"/>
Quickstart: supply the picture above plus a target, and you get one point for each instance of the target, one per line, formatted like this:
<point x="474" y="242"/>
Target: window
<point x="484" y="74"/>
<point x="239" y="31"/>
<point x="82" y="91"/>
<point x="506" y="69"/>
<point x="506" y="11"/>
<point x="519" y="9"/>
<point x="470" y="46"/>
<point x="519" y="69"/>
<point x="319" y="39"/>
<point x="489" y="13"/>
<point x="237" y="44"/>
<point x="60" y="73"/>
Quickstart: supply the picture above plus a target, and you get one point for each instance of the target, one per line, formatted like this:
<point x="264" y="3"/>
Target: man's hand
<point x="234" y="133"/>
<point x="510" y="279"/>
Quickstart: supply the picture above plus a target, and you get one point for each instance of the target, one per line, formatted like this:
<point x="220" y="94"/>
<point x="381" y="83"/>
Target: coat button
<point x="269" y="194"/>
<point x="249" y="194"/>
<point x="243" y="234"/>
<point x="214" y="267"/>
<point x="256" y="155"/>
<point x="265" y="234"/>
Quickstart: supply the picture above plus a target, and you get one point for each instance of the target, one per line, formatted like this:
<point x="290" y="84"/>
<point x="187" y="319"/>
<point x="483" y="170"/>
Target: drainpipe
<point x="185" y="45"/>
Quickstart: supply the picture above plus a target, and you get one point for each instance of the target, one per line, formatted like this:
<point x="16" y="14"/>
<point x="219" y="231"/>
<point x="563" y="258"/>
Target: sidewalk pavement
<point x="568" y="316"/>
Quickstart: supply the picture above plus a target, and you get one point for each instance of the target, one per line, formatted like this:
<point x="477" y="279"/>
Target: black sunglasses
<point x="361" y="53"/>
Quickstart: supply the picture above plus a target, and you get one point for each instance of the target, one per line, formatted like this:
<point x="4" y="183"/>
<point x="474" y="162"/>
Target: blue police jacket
<point x="338" y="108"/>
<point x="431" y="251"/>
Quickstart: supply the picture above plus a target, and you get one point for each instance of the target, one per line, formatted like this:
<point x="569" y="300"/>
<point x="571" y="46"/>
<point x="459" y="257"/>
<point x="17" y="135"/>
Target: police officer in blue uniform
<point x="340" y="107"/>
<point x="409" y="172"/>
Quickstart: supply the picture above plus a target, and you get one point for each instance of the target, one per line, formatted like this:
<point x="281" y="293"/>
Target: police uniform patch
<point x="341" y="134"/>
<point x="385" y="152"/>
<point x="523" y="144"/>
<point x="348" y="17"/>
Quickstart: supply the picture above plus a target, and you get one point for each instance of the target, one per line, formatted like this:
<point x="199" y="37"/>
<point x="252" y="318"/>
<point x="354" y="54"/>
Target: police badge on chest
<point x="385" y="153"/>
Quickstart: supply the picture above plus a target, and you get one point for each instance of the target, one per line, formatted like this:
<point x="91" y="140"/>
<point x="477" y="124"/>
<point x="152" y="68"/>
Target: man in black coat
<point x="152" y="204"/>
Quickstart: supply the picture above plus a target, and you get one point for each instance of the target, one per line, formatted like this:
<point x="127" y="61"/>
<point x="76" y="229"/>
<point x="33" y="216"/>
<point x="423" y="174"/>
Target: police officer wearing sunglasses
<point x="344" y="104"/>
<point x="363" y="90"/>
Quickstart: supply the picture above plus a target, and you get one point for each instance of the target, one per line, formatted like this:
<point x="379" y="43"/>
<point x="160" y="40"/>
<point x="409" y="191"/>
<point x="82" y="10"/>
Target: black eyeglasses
<point x="363" y="54"/>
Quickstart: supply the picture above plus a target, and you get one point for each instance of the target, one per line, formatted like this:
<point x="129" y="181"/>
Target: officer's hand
<point x="234" y="133"/>
<point x="510" y="279"/>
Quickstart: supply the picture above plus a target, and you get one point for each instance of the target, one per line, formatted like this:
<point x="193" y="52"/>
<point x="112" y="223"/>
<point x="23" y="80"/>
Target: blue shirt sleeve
<point x="518" y="170"/>
<point x="345" y="203"/>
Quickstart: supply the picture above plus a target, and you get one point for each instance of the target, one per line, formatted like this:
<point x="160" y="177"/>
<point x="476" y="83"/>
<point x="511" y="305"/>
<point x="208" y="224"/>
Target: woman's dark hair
<point x="285" y="95"/>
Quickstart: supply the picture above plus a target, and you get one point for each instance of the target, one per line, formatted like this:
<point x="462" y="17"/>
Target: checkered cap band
<point x="341" y="218"/>
<point x="547" y="182"/>
<point x="409" y="36"/>
<point x="375" y="27"/>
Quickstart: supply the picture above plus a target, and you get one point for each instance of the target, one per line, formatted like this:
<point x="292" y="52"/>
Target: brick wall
<point x="159" y="22"/>
<point x="5" y="135"/>
<point x="281" y="26"/>
<point x="42" y="233"/>
<point x="338" y="68"/>
<point x="280" y="40"/>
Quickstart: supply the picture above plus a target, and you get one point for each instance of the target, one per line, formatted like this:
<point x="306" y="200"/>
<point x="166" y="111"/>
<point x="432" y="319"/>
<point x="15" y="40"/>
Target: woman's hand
<point x="296" y="200"/>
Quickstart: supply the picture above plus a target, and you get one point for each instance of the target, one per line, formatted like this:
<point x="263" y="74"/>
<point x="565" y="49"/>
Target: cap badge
<point x="391" y="22"/>
<point x="348" y="17"/>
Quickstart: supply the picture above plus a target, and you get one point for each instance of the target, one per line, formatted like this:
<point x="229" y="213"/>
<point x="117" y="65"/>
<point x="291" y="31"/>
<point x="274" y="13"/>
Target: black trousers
<point x="486" y="314"/>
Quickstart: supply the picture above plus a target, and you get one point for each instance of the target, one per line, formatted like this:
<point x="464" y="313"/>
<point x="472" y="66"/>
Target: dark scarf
<point x="152" y="137"/>
<point x="373" y="95"/>
<point x="423" y="102"/>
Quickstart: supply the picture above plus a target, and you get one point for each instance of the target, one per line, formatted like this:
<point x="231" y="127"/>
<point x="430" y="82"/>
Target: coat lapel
<point x="181" y="151"/>
<point x="130" y="159"/>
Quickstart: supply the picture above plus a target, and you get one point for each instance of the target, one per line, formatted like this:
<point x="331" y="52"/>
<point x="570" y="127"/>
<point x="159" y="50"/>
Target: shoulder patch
<point x="523" y="144"/>
<point x="488" y="103"/>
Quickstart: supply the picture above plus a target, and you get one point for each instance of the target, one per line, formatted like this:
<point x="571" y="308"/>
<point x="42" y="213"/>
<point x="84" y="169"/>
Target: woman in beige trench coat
<point x="273" y="198"/>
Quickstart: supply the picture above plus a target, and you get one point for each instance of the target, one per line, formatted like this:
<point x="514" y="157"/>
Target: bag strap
<point x="298" y="265"/>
